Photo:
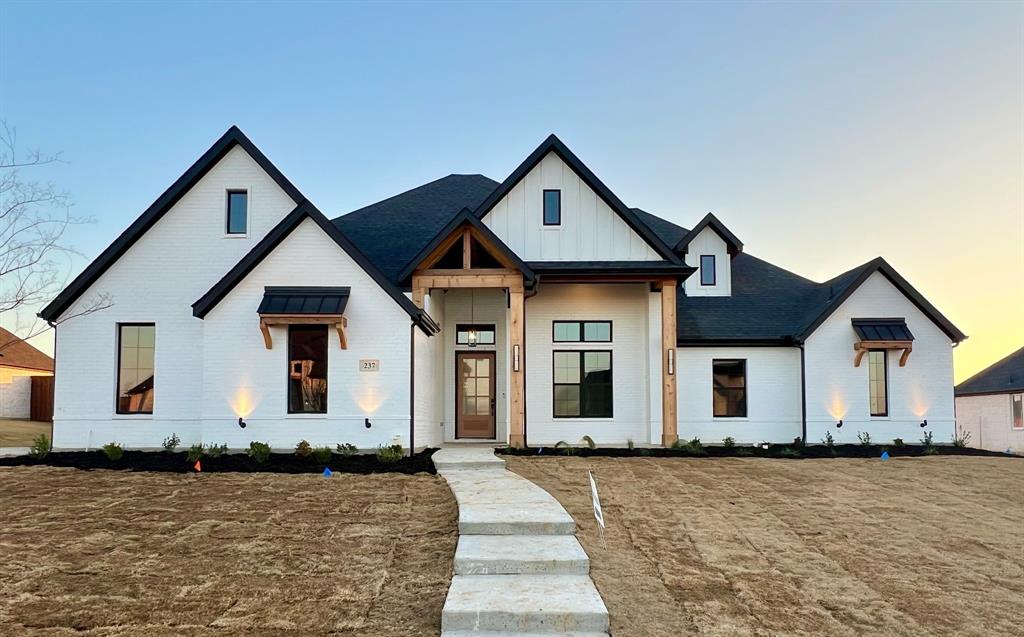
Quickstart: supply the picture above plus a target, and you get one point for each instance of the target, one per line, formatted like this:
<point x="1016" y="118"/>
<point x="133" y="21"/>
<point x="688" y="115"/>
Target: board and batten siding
<point x="989" y="421"/>
<point x="156" y="281"/>
<point x="626" y="306"/>
<point x="590" y="230"/>
<point x="707" y="241"/>
<point x="773" y="395"/>
<point x="243" y="378"/>
<point x="923" y="389"/>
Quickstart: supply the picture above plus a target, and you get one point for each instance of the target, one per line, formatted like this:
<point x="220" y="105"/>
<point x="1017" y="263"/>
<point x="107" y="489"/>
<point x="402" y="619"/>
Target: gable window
<point x="878" y="364"/>
<point x="707" y="269"/>
<point x="238" y="212"/>
<point x="307" y="369"/>
<point x="581" y="331"/>
<point x="1017" y="401"/>
<point x="582" y="385"/>
<point x="552" y="207"/>
<point x="136" y="349"/>
<point x="474" y="335"/>
<point x="729" y="388"/>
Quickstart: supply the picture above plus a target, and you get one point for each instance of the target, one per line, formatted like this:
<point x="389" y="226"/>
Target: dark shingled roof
<point x="393" y="231"/>
<point x="1004" y="376"/>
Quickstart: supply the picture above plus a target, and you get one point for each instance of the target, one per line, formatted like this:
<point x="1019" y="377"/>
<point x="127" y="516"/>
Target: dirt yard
<point x="911" y="546"/>
<point x="20" y="433"/>
<point x="121" y="553"/>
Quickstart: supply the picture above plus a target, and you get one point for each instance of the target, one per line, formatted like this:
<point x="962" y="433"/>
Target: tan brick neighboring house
<point x="19" y="361"/>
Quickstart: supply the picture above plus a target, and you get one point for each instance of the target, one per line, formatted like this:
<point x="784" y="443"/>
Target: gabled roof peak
<point x="711" y="221"/>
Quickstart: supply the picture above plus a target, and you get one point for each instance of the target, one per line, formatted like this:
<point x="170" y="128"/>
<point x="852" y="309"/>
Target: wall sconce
<point x="241" y="423"/>
<point x="839" y="425"/>
<point x="671" y="362"/>
<point x="367" y="423"/>
<point x="924" y="423"/>
<point x="515" y="358"/>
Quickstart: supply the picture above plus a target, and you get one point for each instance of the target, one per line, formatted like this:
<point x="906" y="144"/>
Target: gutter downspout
<point x="412" y="389"/>
<point x="522" y="357"/>
<point x="54" y="327"/>
<point x="803" y="395"/>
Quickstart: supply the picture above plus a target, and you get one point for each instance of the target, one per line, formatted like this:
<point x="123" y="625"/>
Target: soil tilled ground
<point x="121" y="553"/>
<point x="910" y="546"/>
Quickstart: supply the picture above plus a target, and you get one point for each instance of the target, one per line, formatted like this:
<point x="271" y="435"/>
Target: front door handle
<point x="492" y="407"/>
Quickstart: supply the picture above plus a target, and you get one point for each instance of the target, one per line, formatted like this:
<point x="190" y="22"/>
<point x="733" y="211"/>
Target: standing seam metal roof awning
<point x="894" y="329"/>
<point x="304" y="300"/>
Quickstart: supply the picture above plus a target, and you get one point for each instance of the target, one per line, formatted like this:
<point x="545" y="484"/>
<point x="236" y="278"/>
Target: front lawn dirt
<point x="908" y="546"/>
<point x="140" y="553"/>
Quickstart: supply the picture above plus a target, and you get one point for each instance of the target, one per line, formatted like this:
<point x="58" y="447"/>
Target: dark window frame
<point x="544" y="204"/>
<point x="746" y="405"/>
<point x="288" y="373"/>
<point x="583" y="335"/>
<point x="885" y="382"/>
<point x="227" y="211"/>
<point x="480" y="327"/>
<point x="714" y="270"/>
<point x="117" y="380"/>
<point x="1013" y="416"/>
<point x="611" y="381"/>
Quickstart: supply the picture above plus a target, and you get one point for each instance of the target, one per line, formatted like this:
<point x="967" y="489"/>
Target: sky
<point x="822" y="134"/>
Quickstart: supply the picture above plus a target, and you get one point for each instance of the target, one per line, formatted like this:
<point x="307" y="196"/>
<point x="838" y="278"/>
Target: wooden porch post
<point x="669" y="430"/>
<point x="517" y="420"/>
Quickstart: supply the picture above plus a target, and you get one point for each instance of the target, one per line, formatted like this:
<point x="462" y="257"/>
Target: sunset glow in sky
<point x="822" y="134"/>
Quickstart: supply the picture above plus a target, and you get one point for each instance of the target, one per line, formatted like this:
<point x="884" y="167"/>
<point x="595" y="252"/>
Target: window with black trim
<point x="729" y="388"/>
<point x="878" y="366"/>
<point x="474" y="334"/>
<point x="136" y="353"/>
<point x="582" y="385"/>
<point x="552" y="207"/>
<point x="238" y="212"/>
<point x="307" y="369"/>
<point x="581" y="331"/>
<point x="707" y="269"/>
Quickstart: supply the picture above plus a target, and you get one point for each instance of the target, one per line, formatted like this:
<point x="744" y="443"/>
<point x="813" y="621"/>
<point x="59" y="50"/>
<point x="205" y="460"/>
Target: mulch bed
<point x="177" y="462"/>
<point x="791" y="451"/>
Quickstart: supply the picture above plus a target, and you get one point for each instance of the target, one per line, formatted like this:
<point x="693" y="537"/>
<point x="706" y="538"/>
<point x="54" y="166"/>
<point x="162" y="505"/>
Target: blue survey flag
<point x="885" y="455"/>
<point x="327" y="472"/>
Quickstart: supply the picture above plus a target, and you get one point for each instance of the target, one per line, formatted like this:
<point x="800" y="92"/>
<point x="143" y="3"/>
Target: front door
<point x="474" y="395"/>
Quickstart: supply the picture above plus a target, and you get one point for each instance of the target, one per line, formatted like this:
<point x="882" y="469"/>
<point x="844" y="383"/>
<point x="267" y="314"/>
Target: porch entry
<point x="474" y="395"/>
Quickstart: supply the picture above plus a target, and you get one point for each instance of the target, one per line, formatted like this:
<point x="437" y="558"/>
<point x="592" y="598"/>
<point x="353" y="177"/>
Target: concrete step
<point x="520" y="554"/>
<point x="546" y="604"/>
<point x="499" y="633"/>
<point x="503" y="503"/>
<point x="466" y="458"/>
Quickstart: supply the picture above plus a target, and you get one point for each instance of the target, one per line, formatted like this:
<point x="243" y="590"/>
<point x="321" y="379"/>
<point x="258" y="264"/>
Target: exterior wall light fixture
<point x="241" y="423"/>
<point x="515" y="358"/>
<point x="367" y="423"/>
<point x="839" y="425"/>
<point x="924" y="423"/>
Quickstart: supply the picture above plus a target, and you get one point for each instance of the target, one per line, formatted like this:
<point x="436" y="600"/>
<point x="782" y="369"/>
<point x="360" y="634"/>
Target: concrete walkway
<point x="519" y="569"/>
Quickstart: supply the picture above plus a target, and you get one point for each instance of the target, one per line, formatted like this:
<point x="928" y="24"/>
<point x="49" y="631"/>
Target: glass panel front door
<point x="474" y="395"/>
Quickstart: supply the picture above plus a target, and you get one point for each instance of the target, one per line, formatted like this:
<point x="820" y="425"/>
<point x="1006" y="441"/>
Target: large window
<point x="583" y="384"/>
<point x="878" y="363"/>
<point x="707" y="269"/>
<point x="136" y="349"/>
<point x="581" y="331"/>
<point x="307" y="369"/>
<point x="238" y="212"/>
<point x="729" y="380"/>
<point x="552" y="207"/>
<point x="1017" y="400"/>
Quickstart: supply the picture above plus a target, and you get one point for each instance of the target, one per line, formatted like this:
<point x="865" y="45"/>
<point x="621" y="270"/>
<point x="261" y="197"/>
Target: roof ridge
<point x="412" y="190"/>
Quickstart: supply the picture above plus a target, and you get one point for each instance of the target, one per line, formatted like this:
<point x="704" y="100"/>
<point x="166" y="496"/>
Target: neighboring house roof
<point x="732" y="242"/>
<point x="15" y="352"/>
<point x="277" y="234"/>
<point x="233" y="137"/>
<point x="1004" y="376"/>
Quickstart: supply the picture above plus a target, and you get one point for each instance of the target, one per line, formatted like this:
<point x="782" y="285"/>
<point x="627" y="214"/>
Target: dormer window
<point x="707" y="269"/>
<point x="552" y="207"/>
<point x="238" y="212"/>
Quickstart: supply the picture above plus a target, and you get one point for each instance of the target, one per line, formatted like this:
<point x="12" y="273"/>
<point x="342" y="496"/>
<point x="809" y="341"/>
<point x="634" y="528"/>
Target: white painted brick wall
<point x="429" y="388"/>
<point x="989" y="419"/>
<point x="15" y="394"/>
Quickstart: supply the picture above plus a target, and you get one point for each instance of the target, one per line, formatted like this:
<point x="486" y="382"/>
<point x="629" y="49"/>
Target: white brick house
<point x="534" y="310"/>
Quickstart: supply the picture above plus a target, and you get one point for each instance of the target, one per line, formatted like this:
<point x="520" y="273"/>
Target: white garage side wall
<point x="923" y="389"/>
<point x="989" y="420"/>
<point x="428" y="401"/>
<point x="626" y="306"/>
<point x="590" y="230"/>
<point x="773" y="395"/>
<point x="707" y="241"/>
<point x="243" y="378"/>
<point x="16" y="392"/>
<point x="156" y="281"/>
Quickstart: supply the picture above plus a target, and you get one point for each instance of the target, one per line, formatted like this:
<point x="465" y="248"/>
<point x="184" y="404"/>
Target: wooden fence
<point x="41" y="407"/>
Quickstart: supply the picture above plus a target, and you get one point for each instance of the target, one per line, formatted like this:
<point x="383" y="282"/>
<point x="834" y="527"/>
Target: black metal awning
<point x="886" y="329"/>
<point x="304" y="300"/>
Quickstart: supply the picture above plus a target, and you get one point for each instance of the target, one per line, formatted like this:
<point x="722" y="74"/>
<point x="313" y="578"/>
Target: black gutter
<point x="412" y="389"/>
<point x="803" y="395"/>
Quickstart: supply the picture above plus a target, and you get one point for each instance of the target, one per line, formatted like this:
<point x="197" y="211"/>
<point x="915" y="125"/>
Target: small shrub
<point x="898" y="443"/>
<point x="588" y="441"/>
<point x="322" y="455"/>
<point x="728" y="442"/>
<point x="113" y="451"/>
<point x="692" y="447"/>
<point x="789" y="452"/>
<point x="216" y="451"/>
<point x="644" y="451"/>
<point x="195" y="452"/>
<point x="960" y="440"/>
<point x="798" y="442"/>
<point x="40" y="447"/>
<point x="171" y="443"/>
<point x="390" y="454"/>
<point x="629" y="444"/>
<point x="828" y="440"/>
<point x="744" y="452"/>
<point x="565" y="447"/>
<point x="303" y="449"/>
<point x="347" y="450"/>
<point x="865" y="438"/>
<point x="258" y="451"/>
